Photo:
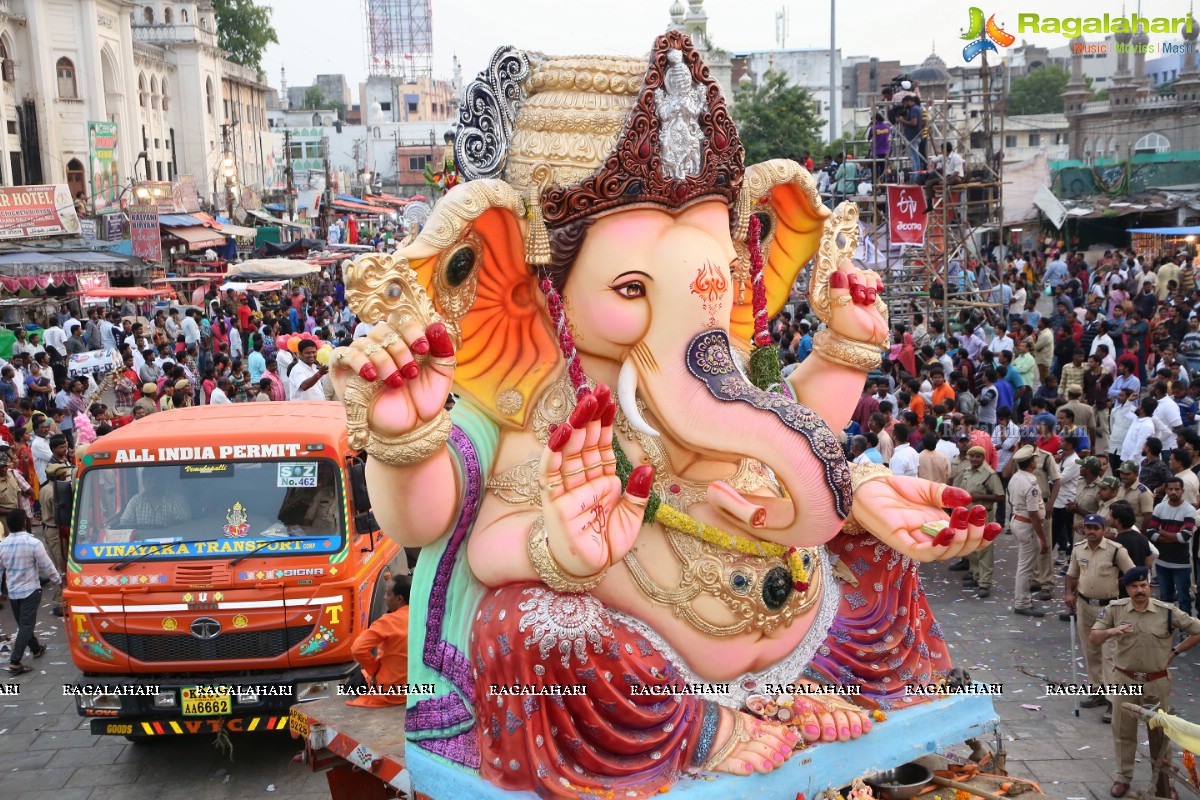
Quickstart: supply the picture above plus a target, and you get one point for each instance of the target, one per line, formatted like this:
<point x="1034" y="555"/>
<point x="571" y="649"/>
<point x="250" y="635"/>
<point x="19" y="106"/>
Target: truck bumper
<point x="153" y="705"/>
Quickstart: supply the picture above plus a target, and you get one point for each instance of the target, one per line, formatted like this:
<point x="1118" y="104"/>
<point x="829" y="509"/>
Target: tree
<point x="1039" y="92"/>
<point x="776" y="120"/>
<point x="314" y="98"/>
<point x="244" y="30"/>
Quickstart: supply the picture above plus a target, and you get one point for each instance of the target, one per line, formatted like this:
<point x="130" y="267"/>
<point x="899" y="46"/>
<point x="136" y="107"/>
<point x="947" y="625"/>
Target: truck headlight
<point x="318" y="690"/>
<point x="98" y="700"/>
<point x="165" y="700"/>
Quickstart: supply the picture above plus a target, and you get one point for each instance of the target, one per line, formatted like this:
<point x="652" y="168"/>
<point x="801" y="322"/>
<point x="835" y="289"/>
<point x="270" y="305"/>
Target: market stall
<point x="1165" y="241"/>
<point x="272" y="269"/>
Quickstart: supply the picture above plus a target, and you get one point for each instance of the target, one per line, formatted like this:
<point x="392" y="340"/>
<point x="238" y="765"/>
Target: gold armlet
<point x="860" y="474"/>
<point x="548" y="568"/>
<point x="847" y="352"/>
<point x="413" y="447"/>
<point x="737" y="737"/>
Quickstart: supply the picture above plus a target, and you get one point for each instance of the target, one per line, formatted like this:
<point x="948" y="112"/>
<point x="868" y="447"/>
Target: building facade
<point x="151" y="67"/>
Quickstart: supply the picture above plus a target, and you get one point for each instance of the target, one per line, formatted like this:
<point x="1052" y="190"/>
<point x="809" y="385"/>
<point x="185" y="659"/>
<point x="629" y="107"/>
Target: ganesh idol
<point x="618" y="504"/>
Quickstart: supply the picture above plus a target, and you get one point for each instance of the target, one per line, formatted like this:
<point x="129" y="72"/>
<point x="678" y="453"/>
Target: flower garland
<point x="660" y="512"/>
<point x="766" y="371"/>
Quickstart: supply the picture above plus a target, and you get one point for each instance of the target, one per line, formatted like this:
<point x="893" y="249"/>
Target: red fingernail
<point x="602" y="394"/>
<point x="410" y="370"/>
<point x="992" y="531"/>
<point x="945" y="537"/>
<point x="838" y="281"/>
<point x="584" y="412"/>
<point x="559" y="437"/>
<point x="954" y="497"/>
<point x="959" y="518"/>
<point x="395" y="380"/>
<point x="440" y="345"/>
<point x="640" y="481"/>
<point x="368" y="372"/>
<point x="610" y="413"/>
<point x="870" y="295"/>
<point x="421" y="346"/>
<point x="978" y="515"/>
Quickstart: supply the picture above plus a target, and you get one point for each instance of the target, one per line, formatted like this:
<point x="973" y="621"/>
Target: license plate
<point x="203" y="702"/>
<point x="298" y="724"/>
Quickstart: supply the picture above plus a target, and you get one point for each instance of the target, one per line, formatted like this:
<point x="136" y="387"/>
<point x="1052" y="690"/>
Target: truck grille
<point x="160" y="647"/>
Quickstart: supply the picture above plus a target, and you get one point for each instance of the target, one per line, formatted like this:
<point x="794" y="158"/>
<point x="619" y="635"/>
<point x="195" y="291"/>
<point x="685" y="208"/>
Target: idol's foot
<point x="830" y="719"/>
<point x="759" y="747"/>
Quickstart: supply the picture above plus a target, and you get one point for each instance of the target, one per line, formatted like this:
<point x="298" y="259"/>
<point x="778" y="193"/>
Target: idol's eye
<point x="631" y="289"/>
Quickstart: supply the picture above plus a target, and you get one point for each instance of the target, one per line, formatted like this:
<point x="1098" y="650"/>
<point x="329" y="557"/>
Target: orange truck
<point x="222" y="561"/>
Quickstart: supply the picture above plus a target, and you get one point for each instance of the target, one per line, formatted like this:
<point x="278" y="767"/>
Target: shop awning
<point x="129" y="291"/>
<point x="259" y="286"/>
<point x="267" y="218"/>
<point x="27" y="263"/>
<point x="272" y="268"/>
<point x="178" y="220"/>
<point x="1190" y="230"/>
<point x="198" y="237"/>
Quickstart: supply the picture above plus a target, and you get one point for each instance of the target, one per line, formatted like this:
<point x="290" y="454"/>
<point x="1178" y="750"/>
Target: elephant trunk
<point x="706" y="403"/>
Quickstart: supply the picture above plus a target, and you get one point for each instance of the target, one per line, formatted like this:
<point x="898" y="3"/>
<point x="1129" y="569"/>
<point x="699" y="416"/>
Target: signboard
<point x="1050" y="205"/>
<point x="102" y="146"/>
<point x="92" y="363"/>
<point x="28" y="212"/>
<point x="187" y="198"/>
<point x="114" y="227"/>
<point x="92" y="280"/>
<point x="906" y="214"/>
<point x="296" y="476"/>
<point x="87" y="228"/>
<point x="144" y="231"/>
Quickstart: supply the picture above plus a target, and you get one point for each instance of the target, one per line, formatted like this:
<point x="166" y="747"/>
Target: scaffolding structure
<point x="948" y="276"/>
<point x="399" y="38"/>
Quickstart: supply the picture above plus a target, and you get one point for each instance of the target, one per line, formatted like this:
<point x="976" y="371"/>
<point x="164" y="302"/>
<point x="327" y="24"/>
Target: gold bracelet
<point x="860" y="474"/>
<point x="847" y="352"/>
<point x="413" y="447"/>
<point x="738" y="736"/>
<point x="548" y="568"/>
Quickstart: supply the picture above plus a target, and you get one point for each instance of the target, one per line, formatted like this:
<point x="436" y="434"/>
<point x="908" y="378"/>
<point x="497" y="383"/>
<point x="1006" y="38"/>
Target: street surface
<point x="47" y="753"/>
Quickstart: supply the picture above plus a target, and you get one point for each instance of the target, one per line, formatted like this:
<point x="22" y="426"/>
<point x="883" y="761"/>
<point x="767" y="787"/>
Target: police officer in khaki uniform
<point x="1087" y="496"/>
<point x="1136" y="494"/>
<point x="1026" y="500"/>
<point x="1048" y="477"/>
<point x="1142" y="629"/>
<point x="1093" y="578"/>
<point x="986" y="489"/>
<point x="1106" y="490"/>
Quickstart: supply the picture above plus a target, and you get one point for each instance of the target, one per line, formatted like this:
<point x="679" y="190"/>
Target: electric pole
<point x="229" y="168"/>
<point x="327" y="204"/>
<point x="291" y="185"/>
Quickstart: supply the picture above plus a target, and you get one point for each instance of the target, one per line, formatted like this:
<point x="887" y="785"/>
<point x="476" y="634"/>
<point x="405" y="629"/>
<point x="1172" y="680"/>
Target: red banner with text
<point x="144" y="231"/>
<point x="906" y="214"/>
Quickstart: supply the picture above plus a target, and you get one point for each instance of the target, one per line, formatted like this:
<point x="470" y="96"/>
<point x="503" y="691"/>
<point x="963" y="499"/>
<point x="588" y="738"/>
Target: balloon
<point x="293" y="344"/>
<point x="324" y="354"/>
<point x="281" y="342"/>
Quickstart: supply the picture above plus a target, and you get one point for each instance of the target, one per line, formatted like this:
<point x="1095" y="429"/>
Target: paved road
<point x="46" y="751"/>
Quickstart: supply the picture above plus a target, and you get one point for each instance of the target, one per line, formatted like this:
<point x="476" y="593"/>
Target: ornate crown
<point x="580" y="136"/>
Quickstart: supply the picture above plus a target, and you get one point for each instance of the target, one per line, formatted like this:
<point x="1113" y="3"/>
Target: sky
<point x="327" y="36"/>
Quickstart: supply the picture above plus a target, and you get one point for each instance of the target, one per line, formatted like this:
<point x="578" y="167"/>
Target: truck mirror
<point x="64" y="501"/>
<point x="358" y="487"/>
<point x="365" y="523"/>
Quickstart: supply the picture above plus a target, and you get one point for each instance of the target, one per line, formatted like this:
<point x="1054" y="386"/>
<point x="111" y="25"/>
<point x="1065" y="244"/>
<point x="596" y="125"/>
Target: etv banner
<point x="906" y="215"/>
<point x="143" y="230"/>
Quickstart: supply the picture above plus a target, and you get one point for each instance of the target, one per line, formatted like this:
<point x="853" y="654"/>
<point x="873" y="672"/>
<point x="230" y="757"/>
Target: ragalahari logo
<point x="983" y="37"/>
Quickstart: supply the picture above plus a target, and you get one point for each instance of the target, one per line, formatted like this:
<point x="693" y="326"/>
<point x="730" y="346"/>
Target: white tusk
<point x="627" y="396"/>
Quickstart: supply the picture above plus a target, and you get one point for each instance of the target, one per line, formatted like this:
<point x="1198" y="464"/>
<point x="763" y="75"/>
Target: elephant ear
<point x="784" y="197"/>
<point x="470" y="258"/>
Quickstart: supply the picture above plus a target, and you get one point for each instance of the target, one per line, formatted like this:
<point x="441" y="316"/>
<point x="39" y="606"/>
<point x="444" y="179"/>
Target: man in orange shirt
<point x="942" y="393"/>
<point x="387" y="669"/>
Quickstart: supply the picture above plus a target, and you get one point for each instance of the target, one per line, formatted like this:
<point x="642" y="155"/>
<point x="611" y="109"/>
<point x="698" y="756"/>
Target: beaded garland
<point x="657" y="511"/>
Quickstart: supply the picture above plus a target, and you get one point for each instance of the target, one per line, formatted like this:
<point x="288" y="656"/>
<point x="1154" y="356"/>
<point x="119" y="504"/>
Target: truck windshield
<point x="209" y="510"/>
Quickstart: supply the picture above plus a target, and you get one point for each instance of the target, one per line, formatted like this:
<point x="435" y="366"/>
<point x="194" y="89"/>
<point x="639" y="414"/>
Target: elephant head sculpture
<point x="673" y="532"/>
